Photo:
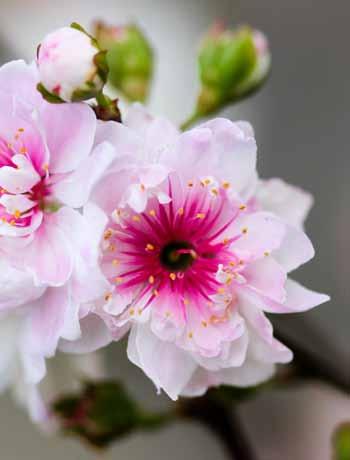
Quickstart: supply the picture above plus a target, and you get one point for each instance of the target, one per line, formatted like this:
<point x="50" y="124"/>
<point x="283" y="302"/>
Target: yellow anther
<point x="214" y="191"/>
<point x="17" y="214"/>
<point x="115" y="262"/>
<point x="108" y="296"/>
<point x="12" y="222"/>
<point x="21" y="130"/>
<point x="111" y="248"/>
<point x="241" y="262"/>
<point x="190" y="183"/>
<point x="200" y="215"/>
<point x="9" y="145"/>
<point x="139" y="311"/>
<point x="4" y="220"/>
<point x="118" y="279"/>
<point x="167" y="314"/>
<point x="226" y="185"/>
<point x="142" y="187"/>
<point x="221" y="290"/>
<point x="172" y="276"/>
<point x="266" y="253"/>
<point x="131" y="311"/>
<point x="204" y="324"/>
<point x="152" y="212"/>
<point x="242" y="207"/>
<point x="136" y="218"/>
<point x="186" y="302"/>
<point x="244" y="230"/>
<point x="23" y="150"/>
<point x="155" y="292"/>
<point x="190" y="335"/>
<point x="151" y="279"/>
<point x="229" y="280"/>
<point x="225" y="241"/>
<point x="232" y="264"/>
<point x="149" y="247"/>
<point x="107" y="234"/>
<point x="45" y="167"/>
<point x="181" y="211"/>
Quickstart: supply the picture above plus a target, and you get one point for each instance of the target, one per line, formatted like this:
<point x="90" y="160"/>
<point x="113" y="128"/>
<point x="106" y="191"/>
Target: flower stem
<point x="190" y="121"/>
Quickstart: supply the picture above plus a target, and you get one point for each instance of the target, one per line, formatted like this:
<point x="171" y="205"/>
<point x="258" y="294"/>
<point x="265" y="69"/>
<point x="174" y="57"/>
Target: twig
<point x="309" y="365"/>
<point x="222" y="420"/>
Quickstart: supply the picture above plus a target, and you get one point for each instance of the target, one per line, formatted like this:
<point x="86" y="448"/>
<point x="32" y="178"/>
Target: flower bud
<point x="71" y="66"/>
<point x="232" y="65"/>
<point x="129" y="58"/>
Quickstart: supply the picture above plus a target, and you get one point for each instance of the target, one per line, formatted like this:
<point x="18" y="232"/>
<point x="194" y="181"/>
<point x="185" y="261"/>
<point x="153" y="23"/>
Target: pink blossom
<point x="36" y="320"/>
<point x="49" y="162"/>
<point x="194" y="274"/>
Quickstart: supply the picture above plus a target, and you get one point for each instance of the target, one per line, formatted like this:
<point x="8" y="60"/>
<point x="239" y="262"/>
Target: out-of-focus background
<point x="302" y="122"/>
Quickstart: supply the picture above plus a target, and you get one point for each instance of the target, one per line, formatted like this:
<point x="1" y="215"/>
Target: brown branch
<point x="222" y="420"/>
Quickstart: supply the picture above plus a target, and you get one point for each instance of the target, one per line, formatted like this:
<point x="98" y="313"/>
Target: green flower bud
<point x="129" y="58"/>
<point x="232" y="65"/>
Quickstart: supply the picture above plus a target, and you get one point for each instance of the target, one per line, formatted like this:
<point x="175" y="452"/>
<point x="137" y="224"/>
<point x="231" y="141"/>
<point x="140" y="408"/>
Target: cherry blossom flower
<point x="197" y="254"/>
<point x="49" y="162"/>
<point x="36" y="320"/>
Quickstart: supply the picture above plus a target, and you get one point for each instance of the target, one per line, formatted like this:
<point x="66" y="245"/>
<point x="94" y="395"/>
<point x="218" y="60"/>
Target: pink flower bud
<point x="68" y="67"/>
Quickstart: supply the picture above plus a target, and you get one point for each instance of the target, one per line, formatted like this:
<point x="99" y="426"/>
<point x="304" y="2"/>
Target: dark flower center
<point x="177" y="255"/>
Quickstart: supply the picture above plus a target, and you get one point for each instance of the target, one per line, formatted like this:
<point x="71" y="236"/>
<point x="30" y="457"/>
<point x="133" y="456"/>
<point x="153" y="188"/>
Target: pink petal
<point x="295" y="250"/>
<point x="267" y="277"/>
<point x="70" y="131"/>
<point x="74" y="190"/>
<point x="94" y="335"/>
<point x="20" y="179"/>
<point x="260" y="233"/>
<point x="172" y="368"/>
<point x="47" y="321"/>
<point x="290" y="203"/>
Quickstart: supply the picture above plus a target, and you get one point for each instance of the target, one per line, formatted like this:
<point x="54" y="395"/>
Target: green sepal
<point x="49" y="97"/>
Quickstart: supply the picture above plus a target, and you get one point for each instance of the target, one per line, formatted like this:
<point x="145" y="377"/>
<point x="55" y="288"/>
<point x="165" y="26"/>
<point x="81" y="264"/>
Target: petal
<point x="20" y="179"/>
<point x="235" y="149"/>
<point x="267" y="277"/>
<point x="137" y="197"/>
<point x="20" y="79"/>
<point x="70" y="131"/>
<point x="16" y="287"/>
<point x="94" y="335"/>
<point x="49" y="255"/>
<point x="47" y="321"/>
<point x="300" y="298"/>
<point x="169" y="367"/>
<point x="74" y="190"/>
<point x="290" y="203"/>
<point x="260" y="233"/>
<point x="295" y="250"/>
<point x="14" y="203"/>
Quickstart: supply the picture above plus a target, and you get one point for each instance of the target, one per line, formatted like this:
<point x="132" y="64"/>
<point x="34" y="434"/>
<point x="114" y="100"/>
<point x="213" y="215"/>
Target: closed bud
<point x="71" y="66"/>
<point x="129" y="57"/>
<point x="232" y="65"/>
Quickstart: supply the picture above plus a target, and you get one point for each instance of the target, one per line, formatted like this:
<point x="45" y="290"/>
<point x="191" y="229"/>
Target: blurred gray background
<point x="302" y="123"/>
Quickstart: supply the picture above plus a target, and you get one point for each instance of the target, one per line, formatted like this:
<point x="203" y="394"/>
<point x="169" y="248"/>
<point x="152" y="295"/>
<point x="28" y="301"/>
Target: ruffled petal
<point x="70" y="131"/>
<point x="169" y="367"/>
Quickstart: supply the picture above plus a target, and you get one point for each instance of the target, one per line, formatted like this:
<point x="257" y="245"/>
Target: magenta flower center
<point x="174" y="249"/>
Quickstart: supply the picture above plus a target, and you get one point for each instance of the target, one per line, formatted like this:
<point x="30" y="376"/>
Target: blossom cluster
<point x="108" y="229"/>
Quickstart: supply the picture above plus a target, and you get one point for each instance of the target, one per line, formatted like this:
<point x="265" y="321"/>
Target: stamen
<point x="172" y="276"/>
<point x="149" y="247"/>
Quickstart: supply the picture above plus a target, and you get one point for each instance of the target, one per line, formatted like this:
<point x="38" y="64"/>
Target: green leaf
<point x="102" y="413"/>
<point x="341" y="442"/>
